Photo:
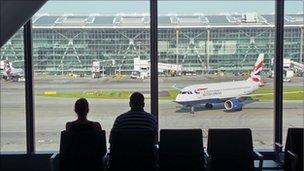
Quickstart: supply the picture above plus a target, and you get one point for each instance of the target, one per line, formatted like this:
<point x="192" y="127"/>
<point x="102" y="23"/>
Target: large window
<point x="293" y="67"/>
<point x="12" y="94"/>
<point x="206" y="58"/>
<point x="210" y="70"/>
<point x="88" y="51"/>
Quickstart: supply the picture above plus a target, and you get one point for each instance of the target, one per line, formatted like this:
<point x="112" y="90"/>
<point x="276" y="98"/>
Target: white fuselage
<point x="214" y="92"/>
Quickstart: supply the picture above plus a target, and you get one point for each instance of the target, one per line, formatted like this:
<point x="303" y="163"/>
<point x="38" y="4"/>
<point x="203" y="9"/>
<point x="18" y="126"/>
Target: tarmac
<point x="51" y="113"/>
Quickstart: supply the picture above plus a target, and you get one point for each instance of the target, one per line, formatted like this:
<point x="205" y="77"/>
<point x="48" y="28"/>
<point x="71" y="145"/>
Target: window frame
<point x="278" y="103"/>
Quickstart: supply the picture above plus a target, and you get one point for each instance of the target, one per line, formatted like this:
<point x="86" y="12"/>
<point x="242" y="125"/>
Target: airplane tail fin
<point x="7" y="68"/>
<point x="255" y="76"/>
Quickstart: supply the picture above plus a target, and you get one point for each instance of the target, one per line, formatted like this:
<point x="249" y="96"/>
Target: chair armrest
<point x="156" y="153"/>
<point x="294" y="159"/>
<point x="279" y="145"/>
<point x="105" y="161"/>
<point x="279" y="157"/>
<point x="54" y="162"/>
<point x="292" y="155"/>
<point x="260" y="157"/>
<point x="206" y="159"/>
<point x="206" y="153"/>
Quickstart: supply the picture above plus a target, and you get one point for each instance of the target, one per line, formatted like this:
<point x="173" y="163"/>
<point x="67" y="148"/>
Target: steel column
<point x="29" y="100"/>
<point x="278" y="72"/>
<point x="208" y="50"/>
<point x="154" y="58"/>
<point x="177" y="51"/>
<point x="301" y="45"/>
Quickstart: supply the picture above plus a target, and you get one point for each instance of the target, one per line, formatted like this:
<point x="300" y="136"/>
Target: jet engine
<point x="233" y="105"/>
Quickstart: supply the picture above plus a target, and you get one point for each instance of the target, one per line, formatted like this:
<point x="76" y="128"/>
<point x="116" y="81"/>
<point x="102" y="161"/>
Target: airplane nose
<point x="178" y="98"/>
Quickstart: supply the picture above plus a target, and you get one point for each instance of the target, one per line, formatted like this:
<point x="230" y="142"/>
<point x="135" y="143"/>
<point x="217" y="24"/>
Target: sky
<point x="79" y="7"/>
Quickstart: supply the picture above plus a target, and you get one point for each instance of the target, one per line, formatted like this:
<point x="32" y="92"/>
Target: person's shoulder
<point x="68" y="125"/>
<point x="122" y="115"/>
<point x="97" y="126"/>
<point x="149" y="115"/>
<point x="118" y="120"/>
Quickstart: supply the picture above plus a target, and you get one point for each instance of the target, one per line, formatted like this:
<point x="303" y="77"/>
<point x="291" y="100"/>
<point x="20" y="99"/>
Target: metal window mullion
<point x="278" y="71"/>
<point x="29" y="100"/>
<point x="154" y="59"/>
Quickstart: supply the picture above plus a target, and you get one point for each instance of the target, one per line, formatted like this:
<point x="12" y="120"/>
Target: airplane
<point x="11" y="73"/>
<point x="232" y="94"/>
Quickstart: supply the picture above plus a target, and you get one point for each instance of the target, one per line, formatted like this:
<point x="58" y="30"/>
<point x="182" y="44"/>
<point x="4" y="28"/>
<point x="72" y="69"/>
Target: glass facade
<point x="199" y="43"/>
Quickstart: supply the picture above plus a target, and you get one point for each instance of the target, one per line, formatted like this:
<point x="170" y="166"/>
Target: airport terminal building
<point x="198" y="42"/>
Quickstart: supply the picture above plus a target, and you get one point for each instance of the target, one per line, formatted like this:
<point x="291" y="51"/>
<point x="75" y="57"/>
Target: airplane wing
<point x="265" y="94"/>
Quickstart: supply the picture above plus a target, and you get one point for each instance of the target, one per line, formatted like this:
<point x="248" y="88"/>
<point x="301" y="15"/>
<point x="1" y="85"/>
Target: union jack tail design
<point x="258" y="67"/>
<point x="7" y="68"/>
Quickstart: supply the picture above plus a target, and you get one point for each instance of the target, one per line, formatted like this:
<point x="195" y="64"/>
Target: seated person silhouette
<point x="81" y="108"/>
<point x="136" y="118"/>
<point x="132" y="139"/>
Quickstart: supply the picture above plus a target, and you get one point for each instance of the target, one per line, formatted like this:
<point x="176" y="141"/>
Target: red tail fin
<point x="258" y="67"/>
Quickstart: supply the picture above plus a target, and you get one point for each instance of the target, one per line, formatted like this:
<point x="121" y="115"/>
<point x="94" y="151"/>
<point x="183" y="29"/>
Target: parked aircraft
<point x="11" y="73"/>
<point x="232" y="94"/>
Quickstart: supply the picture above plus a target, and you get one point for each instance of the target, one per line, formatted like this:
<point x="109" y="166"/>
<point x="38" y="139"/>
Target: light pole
<point x="177" y="62"/>
<point x="139" y="43"/>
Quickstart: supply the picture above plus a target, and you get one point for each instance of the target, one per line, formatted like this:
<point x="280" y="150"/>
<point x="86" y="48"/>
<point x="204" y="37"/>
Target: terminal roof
<point x="97" y="20"/>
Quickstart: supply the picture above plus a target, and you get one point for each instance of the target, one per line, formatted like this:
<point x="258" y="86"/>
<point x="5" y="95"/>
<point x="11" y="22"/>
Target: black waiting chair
<point x="80" y="151"/>
<point x="133" y="150"/>
<point x="292" y="158"/>
<point x="232" y="150"/>
<point x="181" y="150"/>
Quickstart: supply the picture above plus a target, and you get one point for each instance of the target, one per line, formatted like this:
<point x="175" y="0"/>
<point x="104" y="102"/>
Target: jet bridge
<point x="297" y="67"/>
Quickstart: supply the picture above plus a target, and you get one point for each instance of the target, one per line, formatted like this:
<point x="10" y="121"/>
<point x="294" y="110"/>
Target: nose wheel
<point x="192" y="109"/>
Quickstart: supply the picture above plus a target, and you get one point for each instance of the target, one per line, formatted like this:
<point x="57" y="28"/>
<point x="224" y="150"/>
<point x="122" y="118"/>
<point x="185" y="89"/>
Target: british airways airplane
<point x="11" y="73"/>
<point x="232" y="93"/>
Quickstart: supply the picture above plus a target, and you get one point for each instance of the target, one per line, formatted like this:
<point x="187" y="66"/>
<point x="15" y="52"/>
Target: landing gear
<point x="192" y="109"/>
<point x="209" y="106"/>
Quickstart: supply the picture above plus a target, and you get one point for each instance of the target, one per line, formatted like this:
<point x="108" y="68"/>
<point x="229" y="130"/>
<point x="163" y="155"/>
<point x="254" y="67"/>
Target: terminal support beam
<point x="301" y="45"/>
<point x="29" y="100"/>
<point x="278" y="71"/>
<point x="177" y="51"/>
<point x="154" y="58"/>
<point x="208" y="49"/>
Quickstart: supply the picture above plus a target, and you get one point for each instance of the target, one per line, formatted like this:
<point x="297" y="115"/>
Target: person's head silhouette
<point x="81" y="108"/>
<point x="137" y="101"/>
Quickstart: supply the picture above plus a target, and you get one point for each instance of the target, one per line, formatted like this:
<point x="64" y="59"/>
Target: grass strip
<point x="297" y="94"/>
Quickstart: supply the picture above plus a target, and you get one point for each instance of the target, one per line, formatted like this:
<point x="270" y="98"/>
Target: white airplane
<point x="11" y="73"/>
<point x="232" y="93"/>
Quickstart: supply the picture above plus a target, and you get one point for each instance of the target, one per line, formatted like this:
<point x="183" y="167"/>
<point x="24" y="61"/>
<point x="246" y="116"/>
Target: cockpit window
<point x="186" y="92"/>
